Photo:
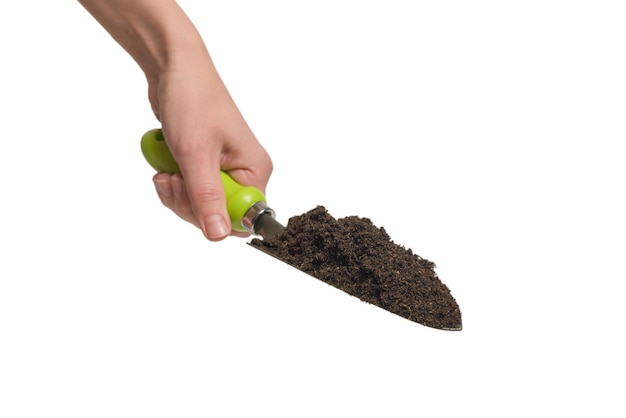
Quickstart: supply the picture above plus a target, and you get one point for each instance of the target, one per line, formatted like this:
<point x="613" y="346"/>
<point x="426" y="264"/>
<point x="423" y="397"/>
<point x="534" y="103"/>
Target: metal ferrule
<point x="248" y="221"/>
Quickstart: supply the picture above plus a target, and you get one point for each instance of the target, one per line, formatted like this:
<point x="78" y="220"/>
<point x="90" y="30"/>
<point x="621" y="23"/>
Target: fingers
<point x="197" y="196"/>
<point x="205" y="192"/>
<point x="205" y="133"/>
<point x="253" y="167"/>
<point x="207" y="211"/>
<point x="173" y="194"/>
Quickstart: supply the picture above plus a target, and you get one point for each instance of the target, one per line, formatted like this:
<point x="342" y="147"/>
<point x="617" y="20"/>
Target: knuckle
<point x="208" y="194"/>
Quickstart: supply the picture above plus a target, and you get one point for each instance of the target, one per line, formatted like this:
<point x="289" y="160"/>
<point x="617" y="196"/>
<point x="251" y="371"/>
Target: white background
<point x="488" y="138"/>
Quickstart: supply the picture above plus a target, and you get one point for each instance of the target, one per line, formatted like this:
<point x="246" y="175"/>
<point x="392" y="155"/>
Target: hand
<point x="202" y="125"/>
<point x="206" y="133"/>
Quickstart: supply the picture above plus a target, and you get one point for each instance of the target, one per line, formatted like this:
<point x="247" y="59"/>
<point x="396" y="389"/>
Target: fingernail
<point x="215" y="228"/>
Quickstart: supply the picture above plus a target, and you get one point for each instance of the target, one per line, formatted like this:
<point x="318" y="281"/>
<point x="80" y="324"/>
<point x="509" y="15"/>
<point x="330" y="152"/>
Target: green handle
<point x="238" y="198"/>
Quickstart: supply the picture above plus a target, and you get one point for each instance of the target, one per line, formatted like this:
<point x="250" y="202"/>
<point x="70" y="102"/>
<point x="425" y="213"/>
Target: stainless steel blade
<point x="266" y="226"/>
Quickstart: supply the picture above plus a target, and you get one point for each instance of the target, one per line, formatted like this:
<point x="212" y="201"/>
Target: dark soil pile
<point x="359" y="258"/>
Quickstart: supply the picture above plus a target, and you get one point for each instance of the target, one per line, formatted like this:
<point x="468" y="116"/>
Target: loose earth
<point x="355" y="256"/>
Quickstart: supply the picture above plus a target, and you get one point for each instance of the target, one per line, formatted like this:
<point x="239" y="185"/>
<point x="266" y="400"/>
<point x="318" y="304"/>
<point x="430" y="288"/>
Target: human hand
<point x="206" y="133"/>
<point x="204" y="130"/>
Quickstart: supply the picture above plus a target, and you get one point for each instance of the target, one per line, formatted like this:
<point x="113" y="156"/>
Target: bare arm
<point x="202" y="125"/>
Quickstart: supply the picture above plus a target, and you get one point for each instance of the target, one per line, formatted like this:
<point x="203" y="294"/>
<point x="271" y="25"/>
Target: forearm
<point x="202" y="125"/>
<point x="156" y="33"/>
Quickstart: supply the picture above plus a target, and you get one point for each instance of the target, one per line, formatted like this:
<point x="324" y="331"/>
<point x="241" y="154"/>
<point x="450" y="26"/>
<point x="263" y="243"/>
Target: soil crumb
<point x="354" y="255"/>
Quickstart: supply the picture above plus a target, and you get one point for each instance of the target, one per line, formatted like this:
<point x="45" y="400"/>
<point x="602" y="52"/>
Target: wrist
<point x="167" y="43"/>
<point x="157" y="34"/>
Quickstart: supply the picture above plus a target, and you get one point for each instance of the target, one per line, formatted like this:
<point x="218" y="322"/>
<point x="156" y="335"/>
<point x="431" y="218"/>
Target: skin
<point x="203" y="127"/>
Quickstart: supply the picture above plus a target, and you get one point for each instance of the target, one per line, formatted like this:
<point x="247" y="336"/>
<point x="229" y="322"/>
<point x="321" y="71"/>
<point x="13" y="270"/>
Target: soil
<point x="355" y="256"/>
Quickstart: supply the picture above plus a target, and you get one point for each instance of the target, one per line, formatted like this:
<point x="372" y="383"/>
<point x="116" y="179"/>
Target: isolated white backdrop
<point x="487" y="136"/>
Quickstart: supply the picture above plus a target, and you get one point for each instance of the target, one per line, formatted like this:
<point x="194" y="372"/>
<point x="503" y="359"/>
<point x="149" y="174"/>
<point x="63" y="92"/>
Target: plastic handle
<point x="238" y="198"/>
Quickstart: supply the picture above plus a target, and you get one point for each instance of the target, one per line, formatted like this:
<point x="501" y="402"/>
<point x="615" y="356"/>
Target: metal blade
<point x="457" y="327"/>
<point x="445" y="318"/>
<point x="266" y="226"/>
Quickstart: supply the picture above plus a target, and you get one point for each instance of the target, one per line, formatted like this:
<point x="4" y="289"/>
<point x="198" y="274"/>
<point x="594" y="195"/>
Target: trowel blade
<point x="268" y="227"/>
<point x="458" y="327"/>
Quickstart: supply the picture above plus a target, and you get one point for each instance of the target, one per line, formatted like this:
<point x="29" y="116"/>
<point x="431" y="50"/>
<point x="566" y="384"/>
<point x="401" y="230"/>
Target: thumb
<point x="204" y="187"/>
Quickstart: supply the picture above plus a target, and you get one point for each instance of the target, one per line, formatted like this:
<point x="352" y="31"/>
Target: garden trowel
<point x="246" y="206"/>
<point x="249" y="212"/>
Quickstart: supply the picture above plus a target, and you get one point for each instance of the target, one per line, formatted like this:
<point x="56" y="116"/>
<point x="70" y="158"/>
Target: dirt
<point x="354" y="255"/>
